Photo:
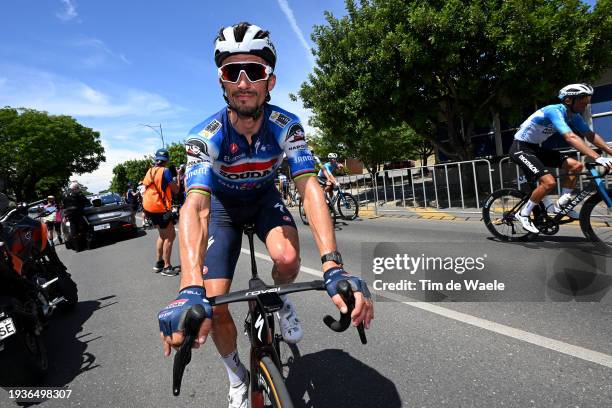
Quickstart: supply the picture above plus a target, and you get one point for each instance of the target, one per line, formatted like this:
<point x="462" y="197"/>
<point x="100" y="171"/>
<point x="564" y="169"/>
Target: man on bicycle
<point x="564" y="118"/>
<point x="232" y="161"/>
<point x="326" y="174"/>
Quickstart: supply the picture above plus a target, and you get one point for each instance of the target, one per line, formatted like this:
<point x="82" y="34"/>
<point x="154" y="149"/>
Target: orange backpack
<point x="154" y="199"/>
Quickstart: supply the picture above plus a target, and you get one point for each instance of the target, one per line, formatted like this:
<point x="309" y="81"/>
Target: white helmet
<point x="244" y="38"/>
<point x="332" y="156"/>
<point x="575" y="90"/>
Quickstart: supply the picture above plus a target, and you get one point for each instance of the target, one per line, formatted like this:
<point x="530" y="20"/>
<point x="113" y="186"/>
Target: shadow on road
<point x="333" y="378"/>
<point x="67" y="344"/>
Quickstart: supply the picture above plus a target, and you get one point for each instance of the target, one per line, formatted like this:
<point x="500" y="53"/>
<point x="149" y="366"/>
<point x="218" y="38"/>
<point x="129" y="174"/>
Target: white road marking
<point x="518" y="334"/>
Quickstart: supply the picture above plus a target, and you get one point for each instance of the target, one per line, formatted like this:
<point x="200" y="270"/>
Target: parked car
<point x="107" y="215"/>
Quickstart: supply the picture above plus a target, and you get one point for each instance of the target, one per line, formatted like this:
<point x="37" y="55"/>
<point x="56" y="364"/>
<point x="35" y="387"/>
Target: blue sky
<point x="116" y="64"/>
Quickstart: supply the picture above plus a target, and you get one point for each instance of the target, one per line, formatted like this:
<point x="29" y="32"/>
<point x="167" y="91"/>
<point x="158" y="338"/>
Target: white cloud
<point x="31" y="88"/>
<point x="100" y="52"/>
<point x="101" y="178"/>
<point x="284" y="5"/>
<point x="69" y="12"/>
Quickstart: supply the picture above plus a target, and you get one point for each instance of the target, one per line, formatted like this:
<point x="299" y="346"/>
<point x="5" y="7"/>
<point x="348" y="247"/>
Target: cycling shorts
<point x="225" y="228"/>
<point x="534" y="159"/>
<point x="323" y="181"/>
<point x="158" y="220"/>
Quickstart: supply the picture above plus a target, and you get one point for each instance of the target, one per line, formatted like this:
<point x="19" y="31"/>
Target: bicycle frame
<point x="263" y="300"/>
<point x="597" y="185"/>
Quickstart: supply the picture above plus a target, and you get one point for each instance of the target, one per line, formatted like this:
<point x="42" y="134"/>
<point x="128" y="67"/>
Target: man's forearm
<point x="577" y="143"/>
<point x="193" y="239"/>
<point x="600" y="142"/>
<point x="318" y="216"/>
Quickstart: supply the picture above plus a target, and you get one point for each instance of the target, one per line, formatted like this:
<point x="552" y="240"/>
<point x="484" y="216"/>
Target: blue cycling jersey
<point x="544" y="122"/>
<point x="221" y="161"/>
<point x="329" y="167"/>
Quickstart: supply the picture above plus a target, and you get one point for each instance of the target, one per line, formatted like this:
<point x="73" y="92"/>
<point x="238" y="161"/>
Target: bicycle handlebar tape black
<point x="193" y="319"/>
<point x="345" y="291"/>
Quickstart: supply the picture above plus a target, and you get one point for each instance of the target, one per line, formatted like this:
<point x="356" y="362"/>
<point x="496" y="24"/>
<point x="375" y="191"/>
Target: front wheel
<point x="302" y="213"/>
<point x="272" y="391"/>
<point x="498" y="215"/>
<point x="348" y="207"/>
<point x="596" y="220"/>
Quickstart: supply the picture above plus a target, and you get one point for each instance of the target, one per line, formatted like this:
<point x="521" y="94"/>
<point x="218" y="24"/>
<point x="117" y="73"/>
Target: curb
<point x="416" y="213"/>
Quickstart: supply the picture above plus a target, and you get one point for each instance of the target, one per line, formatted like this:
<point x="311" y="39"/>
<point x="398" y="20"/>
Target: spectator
<point x="157" y="203"/>
<point x="131" y="197"/>
<point x="53" y="219"/>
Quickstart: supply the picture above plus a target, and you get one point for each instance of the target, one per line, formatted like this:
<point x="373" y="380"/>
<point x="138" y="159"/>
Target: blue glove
<point x="172" y="317"/>
<point x="332" y="276"/>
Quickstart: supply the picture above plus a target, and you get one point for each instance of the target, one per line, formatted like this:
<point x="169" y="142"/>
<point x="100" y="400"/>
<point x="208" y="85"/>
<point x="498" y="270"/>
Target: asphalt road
<point x="553" y="353"/>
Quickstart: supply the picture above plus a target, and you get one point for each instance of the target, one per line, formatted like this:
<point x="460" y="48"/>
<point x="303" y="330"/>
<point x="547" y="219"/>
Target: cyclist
<point x="232" y="161"/>
<point x="563" y="118"/>
<point x="326" y="174"/>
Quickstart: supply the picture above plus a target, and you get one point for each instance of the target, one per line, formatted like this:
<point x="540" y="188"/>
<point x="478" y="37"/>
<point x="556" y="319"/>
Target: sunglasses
<point x="254" y="71"/>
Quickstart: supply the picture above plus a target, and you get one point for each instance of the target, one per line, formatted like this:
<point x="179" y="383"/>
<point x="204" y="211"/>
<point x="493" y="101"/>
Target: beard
<point x="245" y="111"/>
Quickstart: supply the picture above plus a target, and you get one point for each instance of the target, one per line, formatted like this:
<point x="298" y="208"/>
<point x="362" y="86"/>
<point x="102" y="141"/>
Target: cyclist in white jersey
<point x="564" y="118"/>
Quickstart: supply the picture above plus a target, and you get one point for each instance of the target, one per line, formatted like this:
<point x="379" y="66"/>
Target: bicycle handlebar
<point x="195" y="316"/>
<point x="345" y="291"/>
<point x="193" y="319"/>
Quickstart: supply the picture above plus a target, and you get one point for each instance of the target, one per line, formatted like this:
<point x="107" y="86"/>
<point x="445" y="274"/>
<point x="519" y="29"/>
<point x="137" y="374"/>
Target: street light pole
<point x="154" y="128"/>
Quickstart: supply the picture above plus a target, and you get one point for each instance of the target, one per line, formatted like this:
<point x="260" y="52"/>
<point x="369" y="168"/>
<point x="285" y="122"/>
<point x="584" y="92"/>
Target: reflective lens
<point x="253" y="70"/>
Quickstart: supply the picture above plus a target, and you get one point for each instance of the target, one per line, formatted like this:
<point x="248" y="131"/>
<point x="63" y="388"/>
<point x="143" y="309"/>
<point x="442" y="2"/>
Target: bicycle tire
<point x="302" y="212"/>
<point x="348" y="207"/>
<point x="596" y="220"/>
<point x="495" y="212"/>
<point x="273" y="385"/>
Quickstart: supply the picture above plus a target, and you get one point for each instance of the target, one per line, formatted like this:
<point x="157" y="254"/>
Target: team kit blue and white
<point x="537" y="128"/>
<point x="240" y="179"/>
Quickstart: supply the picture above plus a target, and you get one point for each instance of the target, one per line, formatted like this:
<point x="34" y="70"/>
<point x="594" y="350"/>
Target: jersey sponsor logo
<point x="211" y="129"/>
<point x="250" y="185"/>
<point x="192" y="163"/>
<point x="245" y="175"/>
<point x="302" y="146"/>
<point x="233" y="148"/>
<point x="249" y="166"/>
<point x="235" y="158"/>
<point x="295" y="133"/>
<point x="196" y="171"/>
<point x="303" y="159"/>
<point x="280" y="207"/>
<point x="196" y="147"/>
<point x="280" y="119"/>
<point x="527" y="163"/>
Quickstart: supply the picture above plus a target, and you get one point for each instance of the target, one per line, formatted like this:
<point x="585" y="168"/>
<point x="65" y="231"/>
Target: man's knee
<point x="548" y="182"/>
<point x="574" y="166"/>
<point x="221" y="316"/>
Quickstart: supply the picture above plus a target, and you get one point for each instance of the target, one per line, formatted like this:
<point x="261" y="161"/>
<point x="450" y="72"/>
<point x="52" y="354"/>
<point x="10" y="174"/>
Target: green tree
<point x="450" y="63"/>
<point x="178" y="155"/>
<point x="133" y="171"/>
<point x="40" y="151"/>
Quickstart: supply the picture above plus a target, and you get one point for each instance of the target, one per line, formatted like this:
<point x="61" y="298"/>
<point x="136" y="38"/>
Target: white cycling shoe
<point x="290" y="326"/>
<point x="526" y="223"/>
<point x="238" y="396"/>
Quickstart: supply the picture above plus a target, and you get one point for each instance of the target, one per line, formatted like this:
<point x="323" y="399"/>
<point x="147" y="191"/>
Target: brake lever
<point x="193" y="319"/>
<point x="346" y="292"/>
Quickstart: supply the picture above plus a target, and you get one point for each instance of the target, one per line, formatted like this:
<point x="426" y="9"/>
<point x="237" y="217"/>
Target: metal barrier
<point x="457" y="187"/>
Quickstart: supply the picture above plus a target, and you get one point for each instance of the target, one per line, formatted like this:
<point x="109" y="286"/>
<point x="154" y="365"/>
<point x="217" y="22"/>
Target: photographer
<point x="160" y="183"/>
